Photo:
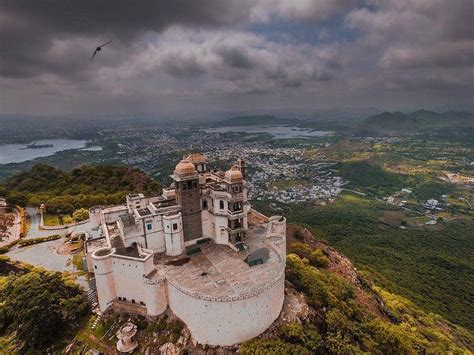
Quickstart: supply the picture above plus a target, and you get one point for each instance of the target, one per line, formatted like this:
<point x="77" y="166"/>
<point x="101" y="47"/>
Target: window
<point x="175" y="226"/>
<point x="221" y="204"/>
<point x="149" y="227"/>
<point x="204" y="205"/>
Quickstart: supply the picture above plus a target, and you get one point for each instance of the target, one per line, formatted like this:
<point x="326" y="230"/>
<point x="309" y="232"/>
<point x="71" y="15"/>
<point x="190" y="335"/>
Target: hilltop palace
<point x="199" y="249"/>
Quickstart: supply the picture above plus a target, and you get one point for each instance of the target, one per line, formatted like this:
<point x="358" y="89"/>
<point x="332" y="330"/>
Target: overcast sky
<point x="212" y="55"/>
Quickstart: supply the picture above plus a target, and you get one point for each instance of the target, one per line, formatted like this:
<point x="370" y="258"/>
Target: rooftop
<point x="127" y="220"/>
<point x="144" y="211"/>
<point x="219" y="271"/>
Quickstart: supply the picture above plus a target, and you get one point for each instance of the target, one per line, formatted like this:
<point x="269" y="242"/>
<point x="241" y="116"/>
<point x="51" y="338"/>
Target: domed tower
<point x="237" y="219"/>
<point x="242" y="167"/>
<point x="188" y="196"/>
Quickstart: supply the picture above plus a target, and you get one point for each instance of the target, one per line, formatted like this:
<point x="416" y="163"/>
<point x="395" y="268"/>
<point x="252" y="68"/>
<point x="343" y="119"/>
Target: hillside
<point x="329" y="309"/>
<point x="86" y="186"/>
<point x="422" y="121"/>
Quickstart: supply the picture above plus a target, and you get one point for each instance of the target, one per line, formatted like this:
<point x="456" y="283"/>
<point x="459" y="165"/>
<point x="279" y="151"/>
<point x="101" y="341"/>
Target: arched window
<point x="221" y="204"/>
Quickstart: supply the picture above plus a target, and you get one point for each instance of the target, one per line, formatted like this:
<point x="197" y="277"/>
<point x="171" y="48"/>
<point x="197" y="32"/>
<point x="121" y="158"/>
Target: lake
<point x="17" y="153"/>
<point x="278" y="132"/>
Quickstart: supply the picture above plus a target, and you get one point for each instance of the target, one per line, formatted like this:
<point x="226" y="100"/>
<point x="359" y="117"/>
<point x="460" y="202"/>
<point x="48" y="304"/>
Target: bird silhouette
<point x="99" y="48"/>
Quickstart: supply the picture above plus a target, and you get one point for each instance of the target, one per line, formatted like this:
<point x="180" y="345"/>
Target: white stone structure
<point x="199" y="249"/>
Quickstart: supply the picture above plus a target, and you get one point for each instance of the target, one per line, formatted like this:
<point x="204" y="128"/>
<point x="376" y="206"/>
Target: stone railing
<point x="241" y="296"/>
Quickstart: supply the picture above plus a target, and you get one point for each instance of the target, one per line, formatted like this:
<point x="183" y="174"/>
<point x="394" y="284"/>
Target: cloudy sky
<point x="199" y="55"/>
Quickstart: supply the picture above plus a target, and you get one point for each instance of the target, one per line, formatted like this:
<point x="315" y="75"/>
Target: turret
<point x="102" y="260"/>
<point x="188" y="196"/>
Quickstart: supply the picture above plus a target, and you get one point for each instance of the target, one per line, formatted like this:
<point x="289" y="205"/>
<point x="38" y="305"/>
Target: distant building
<point x="431" y="204"/>
<point x="3" y="202"/>
<point x="199" y="249"/>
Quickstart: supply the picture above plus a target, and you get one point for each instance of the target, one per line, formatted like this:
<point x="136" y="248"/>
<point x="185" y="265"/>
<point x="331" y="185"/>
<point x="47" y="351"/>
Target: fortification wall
<point x="229" y="320"/>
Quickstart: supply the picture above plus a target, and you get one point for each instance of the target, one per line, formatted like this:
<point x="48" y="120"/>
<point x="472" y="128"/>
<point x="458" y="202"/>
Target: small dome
<point x="233" y="175"/>
<point x="196" y="158"/>
<point x="185" y="167"/>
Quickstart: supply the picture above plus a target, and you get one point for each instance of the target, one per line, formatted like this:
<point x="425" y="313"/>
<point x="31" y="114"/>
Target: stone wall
<point x="228" y="321"/>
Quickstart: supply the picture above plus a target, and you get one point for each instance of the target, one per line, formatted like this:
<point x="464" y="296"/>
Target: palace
<point x="199" y="249"/>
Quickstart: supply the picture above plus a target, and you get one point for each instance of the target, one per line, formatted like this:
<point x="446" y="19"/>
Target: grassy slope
<point x="430" y="267"/>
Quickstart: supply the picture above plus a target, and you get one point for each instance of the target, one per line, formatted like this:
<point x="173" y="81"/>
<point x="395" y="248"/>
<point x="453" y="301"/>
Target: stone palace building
<point x="199" y="249"/>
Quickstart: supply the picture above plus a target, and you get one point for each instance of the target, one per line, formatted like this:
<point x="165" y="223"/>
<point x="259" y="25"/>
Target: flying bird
<point x="99" y="48"/>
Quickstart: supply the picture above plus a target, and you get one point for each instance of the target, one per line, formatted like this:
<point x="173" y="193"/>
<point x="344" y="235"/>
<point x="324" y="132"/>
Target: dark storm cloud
<point x="211" y="50"/>
<point x="29" y="29"/>
<point x="236" y="57"/>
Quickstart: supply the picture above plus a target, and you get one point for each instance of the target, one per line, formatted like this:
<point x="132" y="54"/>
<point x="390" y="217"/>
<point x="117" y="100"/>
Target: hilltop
<point x="86" y="186"/>
<point x="329" y="308"/>
<point x="421" y="121"/>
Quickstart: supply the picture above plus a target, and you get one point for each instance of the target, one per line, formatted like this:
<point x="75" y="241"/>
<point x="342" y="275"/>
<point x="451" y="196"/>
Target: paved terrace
<point x="219" y="271"/>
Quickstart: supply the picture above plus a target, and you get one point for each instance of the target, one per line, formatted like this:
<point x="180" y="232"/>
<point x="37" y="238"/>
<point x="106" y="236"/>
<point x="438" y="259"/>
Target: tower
<point x="237" y="219"/>
<point x="188" y="196"/>
<point x="242" y="167"/>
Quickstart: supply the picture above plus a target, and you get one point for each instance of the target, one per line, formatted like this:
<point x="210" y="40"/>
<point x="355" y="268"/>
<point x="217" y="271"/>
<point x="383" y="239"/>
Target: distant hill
<point x="422" y="121"/>
<point x="258" y="120"/>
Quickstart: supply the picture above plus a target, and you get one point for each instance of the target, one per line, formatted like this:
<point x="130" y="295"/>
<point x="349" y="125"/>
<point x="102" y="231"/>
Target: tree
<point x="17" y="198"/>
<point x="39" y="306"/>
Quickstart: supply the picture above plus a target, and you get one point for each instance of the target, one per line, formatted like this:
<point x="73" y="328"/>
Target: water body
<point x="17" y="153"/>
<point x="278" y="132"/>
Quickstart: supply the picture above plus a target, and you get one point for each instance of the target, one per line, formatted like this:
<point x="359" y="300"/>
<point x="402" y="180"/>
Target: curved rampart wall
<point x="155" y="295"/>
<point x="228" y="321"/>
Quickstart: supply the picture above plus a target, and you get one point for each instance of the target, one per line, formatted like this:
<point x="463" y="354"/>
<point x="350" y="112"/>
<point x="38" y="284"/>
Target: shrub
<point x="80" y="214"/>
<point x="315" y="257"/>
<point x="26" y="242"/>
<point x="272" y="346"/>
<point x="305" y="335"/>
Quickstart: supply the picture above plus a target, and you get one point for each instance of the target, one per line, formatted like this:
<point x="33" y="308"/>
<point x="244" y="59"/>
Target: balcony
<point x="237" y="197"/>
<point x="236" y="229"/>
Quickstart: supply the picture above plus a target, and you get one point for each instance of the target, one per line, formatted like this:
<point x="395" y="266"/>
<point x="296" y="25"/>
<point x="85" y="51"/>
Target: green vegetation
<point x="55" y="220"/>
<point x="370" y="178"/>
<point x="343" y="326"/>
<point x="51" y="219"/>
<point x="32" y="241"/>
<point x="66" y="192"/>
<point x="432" y="268"/>
<point x="315" y="257"/>
<point x="38" y="308"/>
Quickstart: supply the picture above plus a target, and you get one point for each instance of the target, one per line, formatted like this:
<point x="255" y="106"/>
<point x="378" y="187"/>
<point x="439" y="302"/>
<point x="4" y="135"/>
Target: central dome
<point x="185" y="167"/>
<point x="233" y="175"/>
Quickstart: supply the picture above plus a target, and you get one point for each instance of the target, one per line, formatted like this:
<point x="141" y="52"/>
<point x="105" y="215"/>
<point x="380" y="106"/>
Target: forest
<point x="64" y="192"/>
<point x="433" y="268"/>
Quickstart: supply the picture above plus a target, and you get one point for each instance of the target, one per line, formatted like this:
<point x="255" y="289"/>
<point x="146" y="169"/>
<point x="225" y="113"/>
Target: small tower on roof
<point x="188" y="196"/>
<point x="242" y="167"/>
